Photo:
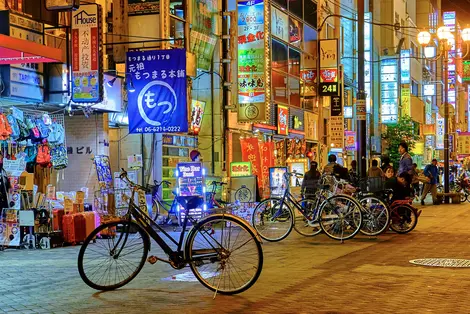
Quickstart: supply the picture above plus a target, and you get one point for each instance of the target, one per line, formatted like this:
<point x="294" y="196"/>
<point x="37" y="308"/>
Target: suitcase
<point x="90" y="222"/>
<point x="57" y="219"/>
<point x="74" y="226"/>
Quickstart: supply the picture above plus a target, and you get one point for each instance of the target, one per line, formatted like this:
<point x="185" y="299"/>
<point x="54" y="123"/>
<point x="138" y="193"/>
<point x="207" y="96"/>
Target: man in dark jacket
<point x="311" y="178"/>
<point x="432" y="172"/>
<point x="406" y="162"/>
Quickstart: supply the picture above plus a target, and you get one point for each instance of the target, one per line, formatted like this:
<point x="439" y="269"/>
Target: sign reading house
<point x="86" y="54"/>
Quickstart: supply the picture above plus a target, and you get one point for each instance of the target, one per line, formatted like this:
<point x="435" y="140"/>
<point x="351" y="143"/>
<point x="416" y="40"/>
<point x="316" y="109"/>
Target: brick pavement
<point x="300" y="275"/>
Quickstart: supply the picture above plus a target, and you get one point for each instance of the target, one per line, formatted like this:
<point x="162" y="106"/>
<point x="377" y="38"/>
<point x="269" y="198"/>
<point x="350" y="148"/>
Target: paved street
<point x="300" y="275"/>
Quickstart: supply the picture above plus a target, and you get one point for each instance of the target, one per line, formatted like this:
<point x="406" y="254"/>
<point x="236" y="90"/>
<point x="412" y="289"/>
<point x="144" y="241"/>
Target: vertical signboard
<point x="448" y="19"/>
<point x="406" y="101"/>
<point x="311" y="128"/>
<point x="405" y="57"/>
<point x="367" y="60"/>
<point x="202" y="39"/>
<point x="158" y="104"/>
<point x="439" y="132"/>
<point x="329" y="73"/>
<point x="282" y="120"/>
<point x="87" y="78"/>
<point x="389" y="90"/>
<point x="252" y="67"/>
<point x="336" y="123"/>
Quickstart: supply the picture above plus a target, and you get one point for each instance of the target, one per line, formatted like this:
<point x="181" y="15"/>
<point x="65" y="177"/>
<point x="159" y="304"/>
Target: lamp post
<point x="445" y="37"/>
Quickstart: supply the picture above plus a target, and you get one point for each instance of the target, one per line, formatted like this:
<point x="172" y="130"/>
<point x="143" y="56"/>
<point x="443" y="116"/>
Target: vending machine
<point x="190" y="181"/>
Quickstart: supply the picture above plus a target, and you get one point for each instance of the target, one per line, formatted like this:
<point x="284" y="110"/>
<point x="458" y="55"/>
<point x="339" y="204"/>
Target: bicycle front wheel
<point x="403" y="219"/>
<point x="116" y="258"/>
<point x="375" y="216"/>
<point x="224" y="254"/>
<point x="340" y="217"/>
<point x="307" y="224"/>
<point x="272" y="222"/>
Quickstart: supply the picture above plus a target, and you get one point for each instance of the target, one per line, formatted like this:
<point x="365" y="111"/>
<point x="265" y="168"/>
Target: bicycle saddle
<point x="189" y="202"/>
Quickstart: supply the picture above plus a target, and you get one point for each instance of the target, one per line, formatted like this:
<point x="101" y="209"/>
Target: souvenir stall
<point x="32" y="146"/>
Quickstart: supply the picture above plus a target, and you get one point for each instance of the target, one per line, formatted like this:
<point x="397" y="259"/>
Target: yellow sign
<point x="406" y="101"/>
<point x="254" y="112"/>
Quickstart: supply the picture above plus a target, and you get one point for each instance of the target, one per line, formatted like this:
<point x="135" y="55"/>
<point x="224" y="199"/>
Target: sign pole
<point x="360" y="106"/>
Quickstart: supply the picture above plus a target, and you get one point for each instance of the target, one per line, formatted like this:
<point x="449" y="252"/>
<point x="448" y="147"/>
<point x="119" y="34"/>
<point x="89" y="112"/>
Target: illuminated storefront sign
<point x="282" y="120"/>
<point x="329" y="67"/>
<point x="439" y="132"/>
<point x="406" y="101"/>
<point x="197" y="113"/>
<point x="466" y="71"/>
<point x="367" y="60"/>
<point x="252" y="74"/>
<point x="449" y="20"/>
<point x="429" y="90"/>
<point x="389" y="90"/>
<point x="240" y="169"/>
<point x="405" y="66"/>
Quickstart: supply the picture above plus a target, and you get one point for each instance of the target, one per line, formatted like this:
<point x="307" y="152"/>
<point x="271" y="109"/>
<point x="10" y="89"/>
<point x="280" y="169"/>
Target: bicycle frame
<point x="177" y="257"/>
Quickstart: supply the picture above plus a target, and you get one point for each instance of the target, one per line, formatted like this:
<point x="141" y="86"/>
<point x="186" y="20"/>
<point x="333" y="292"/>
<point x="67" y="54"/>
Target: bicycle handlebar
<point x="218" y="183"/>
<point x="123" y="176"/>
<point x="164" y="182"/>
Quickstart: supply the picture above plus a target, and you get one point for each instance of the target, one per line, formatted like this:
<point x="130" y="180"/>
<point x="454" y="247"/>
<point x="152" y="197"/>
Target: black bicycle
<point x="222" y="250"/>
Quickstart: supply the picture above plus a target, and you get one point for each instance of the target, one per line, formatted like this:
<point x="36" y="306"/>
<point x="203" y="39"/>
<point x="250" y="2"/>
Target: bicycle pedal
<point x="152" y="259"/>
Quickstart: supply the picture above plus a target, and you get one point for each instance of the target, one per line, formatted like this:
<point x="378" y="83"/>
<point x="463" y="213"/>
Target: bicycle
<point x="159" y="203"/>
<point x="339" y="216"/>
<point x="211" y="249"/>
<point x="403" y="215"/>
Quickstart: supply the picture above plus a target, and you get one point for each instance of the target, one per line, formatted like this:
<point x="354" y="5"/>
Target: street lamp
<point x="446" y="37"/>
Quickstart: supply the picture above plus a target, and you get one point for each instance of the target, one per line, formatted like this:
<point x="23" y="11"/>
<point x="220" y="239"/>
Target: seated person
<point x="400" y="186"/>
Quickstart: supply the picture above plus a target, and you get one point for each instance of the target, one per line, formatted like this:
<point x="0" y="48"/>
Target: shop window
<point x="310" y="15"/>
<point x="296" y="7"/>
<point x="282" y="3"/>
<point x="176" y="32"/>
<point x="310" y="40"/>
<point x="414" y="88"/>
<point x="295" y="32"/>
<point x="279" y="24"/>
<point x="177" y="8"/>
<point x="294" y="62"/>
<point x="294" y="91"/>
<point x="279" y="56"/>
<point x="279" y="87"/>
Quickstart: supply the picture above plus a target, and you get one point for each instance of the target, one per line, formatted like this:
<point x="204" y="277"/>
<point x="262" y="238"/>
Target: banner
<point x="158" y="104"/>
<point x="251" y="61"/>
<point x="251" y="152"/>
<point x="267" y="161"/>
<point x="87" y="77"/>
<point x="282" y="120"/>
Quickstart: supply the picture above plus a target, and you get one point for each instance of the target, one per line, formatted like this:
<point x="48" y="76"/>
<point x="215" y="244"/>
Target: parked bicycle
<point x="222" y="250"/>
<point x="159" y="205"/>
<point x="339" y="216"/>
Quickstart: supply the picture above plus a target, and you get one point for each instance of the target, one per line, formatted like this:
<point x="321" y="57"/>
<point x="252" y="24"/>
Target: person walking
<point x="406" y="162"/>
<point x="311" y="178"/>
<point x="432" y="172"/>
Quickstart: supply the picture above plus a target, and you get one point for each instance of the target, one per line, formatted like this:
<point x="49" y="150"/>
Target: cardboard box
<point x="27" y="181"/>
<point x="80" y="197"/>
<point x="68" y="206"/>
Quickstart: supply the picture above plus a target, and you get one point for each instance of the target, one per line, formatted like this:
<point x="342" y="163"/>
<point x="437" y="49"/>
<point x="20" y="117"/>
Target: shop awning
<point x="15" y="50"/>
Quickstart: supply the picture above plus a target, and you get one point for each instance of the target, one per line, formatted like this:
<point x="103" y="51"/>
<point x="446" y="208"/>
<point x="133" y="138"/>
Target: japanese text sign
<point x="328" y="67"/>
<point x="159" y="103"/>
<point x="240" y="169"/>
<point x="86" y="54"/>
<point x="282" y="120"/>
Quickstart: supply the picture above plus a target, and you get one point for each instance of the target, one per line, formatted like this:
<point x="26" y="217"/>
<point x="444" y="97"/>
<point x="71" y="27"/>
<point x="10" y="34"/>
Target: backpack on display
<point x="57" y="135"/>
<point x="15" y="129"/>
<point x="44" y="156"/>
<point x="59" y="157"/>
<point x="24" y="132"/>
<point x="34" y="133"/>
<point x="30" y="158"/>
<point x="5" y="129"/>
<point x="43" y="128"/>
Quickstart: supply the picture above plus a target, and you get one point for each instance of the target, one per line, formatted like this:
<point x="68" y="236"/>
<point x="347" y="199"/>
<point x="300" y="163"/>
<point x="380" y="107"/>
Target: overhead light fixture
<point x="110" y="83"/>
<point x="131" y="87"/>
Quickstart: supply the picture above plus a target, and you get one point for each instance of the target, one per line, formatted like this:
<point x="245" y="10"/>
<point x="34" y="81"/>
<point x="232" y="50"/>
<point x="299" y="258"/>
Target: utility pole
<point x="361" y="96"/>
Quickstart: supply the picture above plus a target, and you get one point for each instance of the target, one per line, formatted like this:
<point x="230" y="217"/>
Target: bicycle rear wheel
<point x="224" y="254"/>
<point x="116" y="258"/>
<point x="272" y="222"/>
<point x="307" y="224"/>
<point x="340" y="217"/>
<point x="403" y="219"/>
<point x="375" y="216"/>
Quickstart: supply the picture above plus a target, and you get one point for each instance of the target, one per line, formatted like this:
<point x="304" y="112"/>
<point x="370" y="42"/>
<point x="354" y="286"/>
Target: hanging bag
<point x="15" y="129"/>
<point x="5" y="129"/>
<point x="43" y="128"/>
<point x="59" y="157"/>
<point x="44" y="156"/>
<point x="24" y="132"/>
<point x="30" y="158"/>
<point x="57" y="135"/>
